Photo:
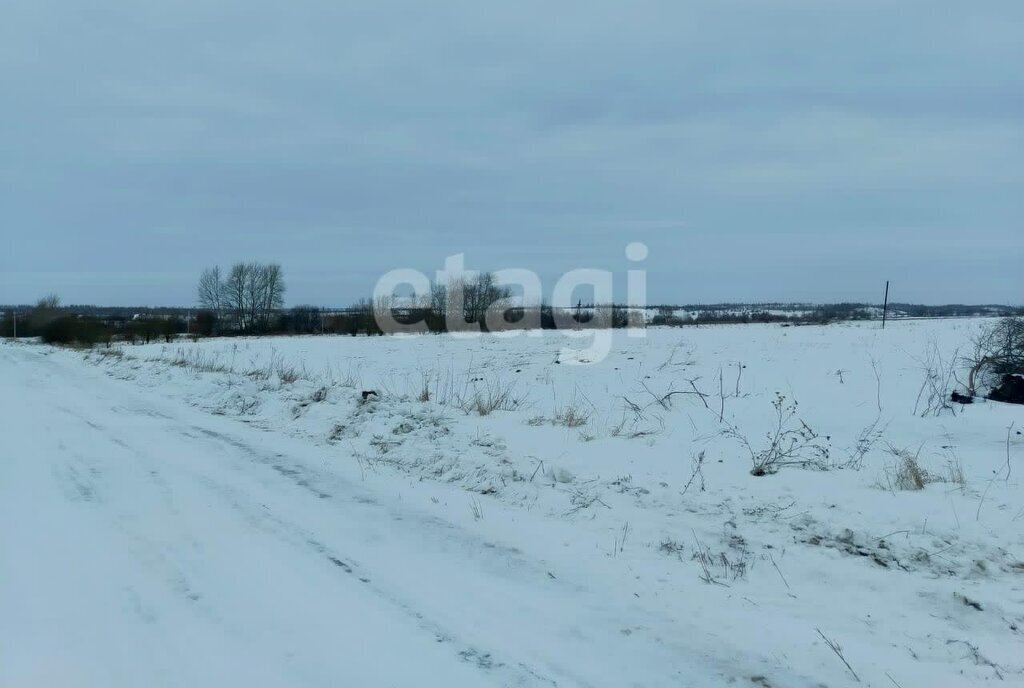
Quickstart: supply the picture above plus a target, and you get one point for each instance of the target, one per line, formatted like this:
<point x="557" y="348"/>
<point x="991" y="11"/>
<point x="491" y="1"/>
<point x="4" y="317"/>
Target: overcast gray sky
<point x="763" y="150"/>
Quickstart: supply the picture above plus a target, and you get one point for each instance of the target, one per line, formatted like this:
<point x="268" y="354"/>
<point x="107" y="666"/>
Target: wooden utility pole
<point x="885" y="304"/>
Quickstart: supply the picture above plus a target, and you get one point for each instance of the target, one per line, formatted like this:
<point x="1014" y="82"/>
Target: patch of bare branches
<point x="790" y="442"/>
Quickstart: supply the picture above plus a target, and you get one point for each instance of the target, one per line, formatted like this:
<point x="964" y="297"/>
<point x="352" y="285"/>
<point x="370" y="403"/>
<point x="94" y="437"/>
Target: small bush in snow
<point x="194" y="361"/>
<point x="933" y="398"/>
<point x="866" y="441"/>
<point x="670" y="546"/>
<point x="571" y="416"/>
<point x="496" y="396"/>
<point x="288" y="374"/>
<point x="715" y="567"/>
<point x="907" y="473"/>
<point x="791" y="442"/>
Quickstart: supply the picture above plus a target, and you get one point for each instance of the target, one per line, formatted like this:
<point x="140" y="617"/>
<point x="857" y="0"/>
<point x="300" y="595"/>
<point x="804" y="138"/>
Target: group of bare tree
<point x="481" y="302"/>
<point x="467" y="299"/>
<point x="246" y="297"/>
<point x="250" y="297"/>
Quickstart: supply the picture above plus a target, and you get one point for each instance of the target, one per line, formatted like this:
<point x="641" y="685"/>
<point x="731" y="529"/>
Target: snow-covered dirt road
<point x="145" y="542"/>
<point x="231" y="512"/>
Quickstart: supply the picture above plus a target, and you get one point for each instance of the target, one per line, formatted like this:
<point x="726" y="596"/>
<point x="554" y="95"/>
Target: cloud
<point x="733" y="136"/>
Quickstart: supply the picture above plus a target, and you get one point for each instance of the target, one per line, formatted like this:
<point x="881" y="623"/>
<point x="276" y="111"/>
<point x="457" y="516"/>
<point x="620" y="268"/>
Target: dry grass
<point x="908" y="474"/>
<point x="195" y="361"/>
<point x="491" y="397"/>
<point x="424" y="395"/>
<point x="571" y="416"/>
<point x="276" y="367"/>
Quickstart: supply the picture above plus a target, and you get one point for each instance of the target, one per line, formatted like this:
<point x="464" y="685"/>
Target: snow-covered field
<point x="233" y="513"/>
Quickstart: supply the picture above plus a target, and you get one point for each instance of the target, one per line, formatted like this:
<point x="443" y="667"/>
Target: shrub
<point x="206" y="323"/>
<point x="171" y="328"/>
<point x="998" y="351"/>
<point x="303" y="320"/>
<point x="7" y="324"/>
<point x="69" y="329"/>
<point x="572" y="416"/>
<point x="907" y="473"/>
<point x="146" y="329"/>
<point x="791" y="442"/>
<point x="45" y="313"/>
<point x="933" y="398"/>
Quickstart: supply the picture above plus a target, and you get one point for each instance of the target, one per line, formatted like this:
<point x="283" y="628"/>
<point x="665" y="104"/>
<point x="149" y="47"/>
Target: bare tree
<point x="251" y="293"/>
<point x="235" y="293"/>
<point x="255" y="281"/>
<point x="467" y="299"/>
<point x="46" y="311"/>
<point x="439" y="298"/>
<point x="211" y="291"/>
<point x="49" y="302"/>
<point x="273" y="288"/>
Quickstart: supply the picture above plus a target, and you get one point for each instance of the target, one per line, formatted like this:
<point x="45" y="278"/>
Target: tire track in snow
<point x="512" y="672"/>
<point x="80" y="482"/>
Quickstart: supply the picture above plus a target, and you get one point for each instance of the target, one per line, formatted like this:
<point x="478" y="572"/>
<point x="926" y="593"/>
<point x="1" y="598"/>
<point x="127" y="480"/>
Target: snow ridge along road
<point x="145" y="542"/>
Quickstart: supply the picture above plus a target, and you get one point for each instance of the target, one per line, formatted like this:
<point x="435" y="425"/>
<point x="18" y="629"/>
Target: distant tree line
<point x="249" y="299"/>
<point x="811" y="314"/>
<point x="55" y="324"/>
<point x="726" y="314"/>
<point x="954" y="310"/>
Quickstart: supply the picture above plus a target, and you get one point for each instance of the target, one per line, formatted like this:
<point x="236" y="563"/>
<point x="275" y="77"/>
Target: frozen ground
<point x="232" y="513"/>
